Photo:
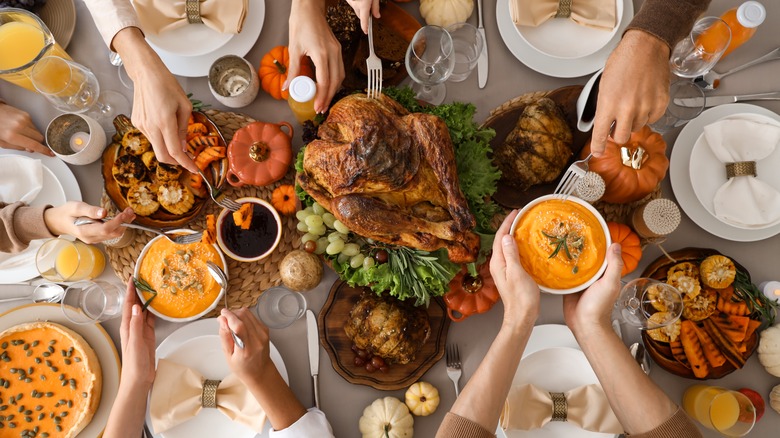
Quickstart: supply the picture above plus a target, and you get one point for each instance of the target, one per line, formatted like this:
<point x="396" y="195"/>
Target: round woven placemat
<point x="247" y="280"/>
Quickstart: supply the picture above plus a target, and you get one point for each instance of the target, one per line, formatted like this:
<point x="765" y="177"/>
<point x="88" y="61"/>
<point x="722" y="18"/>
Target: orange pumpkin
<point x="633" y="170"/>
<point x="259" y="154"/>
<point x="284" y="200"/>
<point x="273" y="71"/>
<point x="631" y="249"/>
<point x="470" y="295"/>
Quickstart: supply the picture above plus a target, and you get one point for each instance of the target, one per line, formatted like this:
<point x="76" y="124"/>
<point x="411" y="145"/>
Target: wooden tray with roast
<point x="723" y="341"/>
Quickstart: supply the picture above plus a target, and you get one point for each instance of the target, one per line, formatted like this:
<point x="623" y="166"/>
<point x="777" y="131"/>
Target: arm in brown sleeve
<point x="455" y="426"/>
<point x="669" y="20"/>
<point x="19" y="224"/>
<point x="678" y="425"/>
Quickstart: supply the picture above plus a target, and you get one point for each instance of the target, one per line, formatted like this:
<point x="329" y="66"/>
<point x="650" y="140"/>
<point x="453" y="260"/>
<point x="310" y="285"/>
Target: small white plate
<point x="708" y="173"/>
<point x="680" y="169"/>
<point x="197" y="345"/>
<point x="563" y="38"/>
<point x="557" y="67"/>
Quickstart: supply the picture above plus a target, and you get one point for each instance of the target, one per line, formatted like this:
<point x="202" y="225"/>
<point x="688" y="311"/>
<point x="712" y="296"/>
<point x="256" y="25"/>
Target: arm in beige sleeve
<point x="19" y="224"/>
<point x="111" y="16"/>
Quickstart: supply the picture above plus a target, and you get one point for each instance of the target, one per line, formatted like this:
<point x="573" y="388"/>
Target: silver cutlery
<point x="222" y="281"/>
<point x="453" y="366"/>
<point x="312" y="339"/>
<point x="43" y="293"/>
<point x="177" y="237"/>
<point x="586" y="102"/>
<point x="573" y="175"/>
<point x="711" y="80"/>
<point x="373" y="64"/>
<point x="639" y="353"/>
<point x="482" y="62"/>
<point x="710" y="101"/>
<point x="219" y="197"/>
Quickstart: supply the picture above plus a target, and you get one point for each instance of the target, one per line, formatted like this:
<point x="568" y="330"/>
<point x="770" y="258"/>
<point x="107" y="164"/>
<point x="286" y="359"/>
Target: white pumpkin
<point x="774" y="399"/>
<point x="386" y="418"/>
<point x="769" y="350"/>
<point x="446" y="12"/>
<point x="422" y="399"/>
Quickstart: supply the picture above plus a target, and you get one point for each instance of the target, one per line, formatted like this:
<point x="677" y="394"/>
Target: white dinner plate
<point x="239" y="45"/>
<point x="197" y="345"/>
<point x="59" y="186"/>
<point x="565" y="39"/>
<point x="189" y="40"/>
<point x="708" y="173"/>
<point x="679" y="174"/>
<point x="96" y="337"/>
<point x="557" y="67"/>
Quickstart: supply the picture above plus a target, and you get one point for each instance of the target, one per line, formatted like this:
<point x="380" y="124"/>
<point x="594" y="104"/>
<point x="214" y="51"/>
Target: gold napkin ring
<point x="741" y="168"/>
<point x="564" y="9"/>
<point x="559" y="406"/>
<point x="209" y="395"/>
<point x="193" y="11"/>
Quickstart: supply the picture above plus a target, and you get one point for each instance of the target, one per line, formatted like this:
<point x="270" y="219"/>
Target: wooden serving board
<point x="332" y="319"/>
<point x="660" y="351"/>
<point x="504" y="119"/>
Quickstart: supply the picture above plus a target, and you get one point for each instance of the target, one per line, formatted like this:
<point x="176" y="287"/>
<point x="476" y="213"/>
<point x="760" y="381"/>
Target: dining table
<point x="343" y="402"/>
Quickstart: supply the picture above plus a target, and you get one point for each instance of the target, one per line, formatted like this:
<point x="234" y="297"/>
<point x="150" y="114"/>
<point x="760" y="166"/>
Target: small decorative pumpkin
<point x="769" y="350"/>
<point x="446" y="12"/>
<point x="273" y="71"/>
<point x="631" y="249"/>
<point x="774" y="399"/>
<point x="259" y="154"/>
<point x="422" y="399"/>
<point x="633" y="170"/>
<point x="469" y="295"/>
<point x="387" y="418"/>
<point x="284" y="200"/>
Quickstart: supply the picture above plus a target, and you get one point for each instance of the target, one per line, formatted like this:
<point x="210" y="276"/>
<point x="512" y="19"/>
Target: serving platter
<point x="661" y="351"/>
<point x="331" y="322"/>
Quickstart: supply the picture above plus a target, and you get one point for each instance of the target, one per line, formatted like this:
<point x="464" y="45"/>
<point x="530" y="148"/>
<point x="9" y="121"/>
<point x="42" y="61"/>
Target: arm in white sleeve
<point x="312" y="424"/>
<point x="111" y="16"/>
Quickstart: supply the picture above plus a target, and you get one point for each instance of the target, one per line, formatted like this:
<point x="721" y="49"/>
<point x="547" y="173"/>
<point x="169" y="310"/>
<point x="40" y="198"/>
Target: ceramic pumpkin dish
<point x="631" y="249"/>
<point x="633" y="170"/>
<point x="273" y="71"/>
<point x="259" y="154"/>
<point x="469" y="295"/>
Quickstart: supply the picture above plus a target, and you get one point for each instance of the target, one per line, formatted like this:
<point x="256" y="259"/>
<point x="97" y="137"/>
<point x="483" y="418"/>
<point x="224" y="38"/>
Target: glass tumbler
<point x="686" y="102"/>
<point x="729" y="412"/>
<point x="467" y="45"/>
<point x="62" y="260"/>
<point x="696" y="54"/>
<point x="89" y="302"/>
<point x="279" y="307"/>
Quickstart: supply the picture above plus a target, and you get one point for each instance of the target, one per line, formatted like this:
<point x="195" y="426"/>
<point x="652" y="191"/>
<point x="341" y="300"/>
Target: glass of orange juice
<point x="89" y="302"/>
<point x="62" y="260"/>
<point x="701" y="49"/>
<point x="729" y="412"/>
<point x="24" y="40"/>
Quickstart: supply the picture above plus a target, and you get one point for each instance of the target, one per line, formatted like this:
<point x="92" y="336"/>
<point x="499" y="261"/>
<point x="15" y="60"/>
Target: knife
<point x="720" y="100"/>
<point x="313" y="339"/>
<point x="482" y="62"/>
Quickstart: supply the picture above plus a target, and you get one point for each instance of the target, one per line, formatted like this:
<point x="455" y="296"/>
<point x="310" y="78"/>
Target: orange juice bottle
<point x="743" y="21"/>
<point x="301" y="100"/>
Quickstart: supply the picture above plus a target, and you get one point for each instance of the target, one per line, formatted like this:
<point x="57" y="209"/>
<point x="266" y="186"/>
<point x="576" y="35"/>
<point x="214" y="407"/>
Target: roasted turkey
<point x="390" y="175"/>
<point x="388" y="328"/>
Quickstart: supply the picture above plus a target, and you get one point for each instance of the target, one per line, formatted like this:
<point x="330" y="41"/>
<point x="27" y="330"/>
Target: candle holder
<point x="233" y="81"/>
<point x="76" y="138"/>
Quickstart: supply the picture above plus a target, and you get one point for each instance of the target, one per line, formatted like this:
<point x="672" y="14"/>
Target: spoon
<point x="711" y="79"/>
<point x="222" y="281"/>
<point x="586" y="103"/>
<point x="639" y="353"/>
<point x="43" y="293"/>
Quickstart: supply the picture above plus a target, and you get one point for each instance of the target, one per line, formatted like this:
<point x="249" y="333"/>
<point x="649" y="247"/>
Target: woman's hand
<point x="138" y="343"/>
<point x="17" y="131"/>
<point x="60" y="220"/>
<point x="249" y="363"/>
<point x="364" y="9"/>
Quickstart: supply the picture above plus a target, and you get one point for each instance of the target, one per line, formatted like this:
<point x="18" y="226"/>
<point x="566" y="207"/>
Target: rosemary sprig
<point x="403" y="262"/>
<point x="758" y="303"/>
<point x="197" y="105"/>
<point x="141" y="284"/>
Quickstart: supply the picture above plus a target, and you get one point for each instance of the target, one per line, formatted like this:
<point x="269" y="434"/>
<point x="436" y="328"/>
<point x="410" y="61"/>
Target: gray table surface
<point x="343" y="402"/>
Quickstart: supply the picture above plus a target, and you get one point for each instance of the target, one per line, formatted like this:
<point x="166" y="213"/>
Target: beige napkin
<point x="744" y="201"/>
<point x="599" y="14"/>
<point x="176" y="397"/>
<point x="158" y="16"/>
<point x="21" y="179"/>
<point x="528" y="407"/>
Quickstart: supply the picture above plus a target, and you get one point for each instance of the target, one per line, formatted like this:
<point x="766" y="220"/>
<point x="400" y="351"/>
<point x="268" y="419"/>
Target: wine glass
<point x="430" y="60"/>
<point x="71" y="87"/>
<point x="696" y="54"/>
<point x="642" y="298"/>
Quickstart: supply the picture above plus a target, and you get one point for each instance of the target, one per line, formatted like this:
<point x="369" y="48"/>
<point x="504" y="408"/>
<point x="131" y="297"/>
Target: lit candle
<point x="771" y="289"/>
<point x="78" y="141"/>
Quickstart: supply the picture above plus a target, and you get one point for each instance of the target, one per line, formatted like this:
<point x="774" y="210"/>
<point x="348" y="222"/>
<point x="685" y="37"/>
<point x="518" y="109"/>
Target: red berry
<point x="310" y="246"/>
<point x="370" y="368"/>
<point x="359" y="362"/>
<point x="363" y="354"/>
<point x="377" y="362"/>
<point x="381" y="256"/>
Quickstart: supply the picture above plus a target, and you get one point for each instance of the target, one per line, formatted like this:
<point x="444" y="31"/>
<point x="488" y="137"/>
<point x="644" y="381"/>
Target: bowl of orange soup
<point x="185" y="291"/>
<point x="562" y="244"/>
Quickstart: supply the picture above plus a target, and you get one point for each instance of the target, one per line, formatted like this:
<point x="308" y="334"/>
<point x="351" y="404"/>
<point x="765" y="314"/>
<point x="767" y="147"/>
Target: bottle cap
<point x="751" y="14"/>
<point x="302" y="89"/>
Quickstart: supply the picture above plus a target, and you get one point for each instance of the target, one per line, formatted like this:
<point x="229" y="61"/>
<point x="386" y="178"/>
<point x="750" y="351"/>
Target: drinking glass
<point x="278" y="307"/>
<point x="62" y="260"/>
<point x="89" y="302"/>
<point x="642" y="297"/>
<point x="467" y="44"/>
<point x="71" y="87"/>
<point x="676" y="113"/>
<point x="696" y="54"/>
<point x="729" y="412"/>
<point x="429" y="61"/>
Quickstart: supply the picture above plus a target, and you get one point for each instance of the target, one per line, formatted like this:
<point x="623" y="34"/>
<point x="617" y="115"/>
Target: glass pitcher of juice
<point x="24" y="40"/>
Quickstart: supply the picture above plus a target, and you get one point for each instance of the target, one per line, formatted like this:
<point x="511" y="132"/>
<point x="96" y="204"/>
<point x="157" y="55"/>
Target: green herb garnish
<point x="567" y="242"/>
<point x="141" y="284"/>
<point x="758" y="303"/>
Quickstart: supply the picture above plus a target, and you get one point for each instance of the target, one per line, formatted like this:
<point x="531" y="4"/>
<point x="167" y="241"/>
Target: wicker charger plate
<point x="247" y="280"/>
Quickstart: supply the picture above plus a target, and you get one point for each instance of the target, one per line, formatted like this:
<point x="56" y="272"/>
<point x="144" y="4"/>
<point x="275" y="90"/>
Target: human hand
<point x="18" y="131"/>
<point x="634" y="88"/>
<point x="59" y="220"/>
<point x="519" y="292"/>
<point x="594" y="306"/>
<point x="138" y="343"/>
<point x="160" y="107"/>
<point x="311" y="36"/>
<point x="250" y="362"/>
<point x="364" y="9"/>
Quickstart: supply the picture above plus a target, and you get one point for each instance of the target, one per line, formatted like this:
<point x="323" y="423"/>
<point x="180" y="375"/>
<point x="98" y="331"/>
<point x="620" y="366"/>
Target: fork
<point x="573" y="174"/>
<point x="453" y="366"/>
<point x="374" y="65"/>
<point x="221" y="278"/>
<point x="178" y="238"/>
<point x="219" y="197"/>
